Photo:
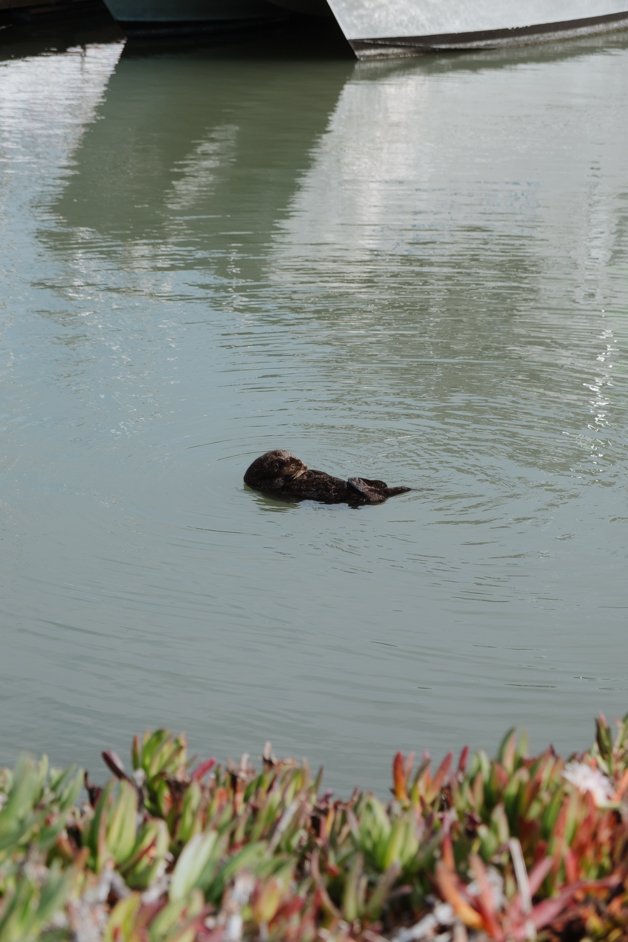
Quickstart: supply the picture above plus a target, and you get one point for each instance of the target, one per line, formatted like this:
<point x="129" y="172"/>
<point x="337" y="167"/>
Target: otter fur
<point x="282" y="474"/>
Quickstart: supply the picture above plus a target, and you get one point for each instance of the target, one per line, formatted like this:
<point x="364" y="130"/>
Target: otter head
<point x="274" y="469"/>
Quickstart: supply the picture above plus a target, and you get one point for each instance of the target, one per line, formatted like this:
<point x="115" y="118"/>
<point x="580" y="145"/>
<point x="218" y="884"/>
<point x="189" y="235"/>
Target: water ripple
<point x="192" y="284"/>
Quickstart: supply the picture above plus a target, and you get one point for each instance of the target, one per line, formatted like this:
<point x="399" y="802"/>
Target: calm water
<point x="417" y="271"/>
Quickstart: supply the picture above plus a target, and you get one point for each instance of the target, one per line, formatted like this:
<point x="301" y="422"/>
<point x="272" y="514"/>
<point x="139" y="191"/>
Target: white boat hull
<point x="377" y="28"/>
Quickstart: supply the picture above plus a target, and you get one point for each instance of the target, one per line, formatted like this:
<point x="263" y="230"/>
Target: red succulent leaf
<point x="622" y="787"/>
<point x="538" y="873"/>
<point x="572" y="870"/>
<point x="462" y="761"/>
<point x="452" y="892"/>
<point x="400" y="790"/>
<point x="484" y="900"/>
<point x="548" y="909"/>
<point x="288" y="909"/>
<point x="201" y="770"/>
<point x="115" y="764"/>
<point x="447" y="851"/>
<point x="441" y="774"/>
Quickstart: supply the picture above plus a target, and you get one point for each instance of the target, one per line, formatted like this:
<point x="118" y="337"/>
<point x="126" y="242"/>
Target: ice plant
<point x="508" y="849"/>
<point x="588" y="778"/>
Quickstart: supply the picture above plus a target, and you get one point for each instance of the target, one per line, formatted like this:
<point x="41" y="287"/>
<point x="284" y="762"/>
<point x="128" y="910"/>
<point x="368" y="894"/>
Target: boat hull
<point x="379" y="28"/>
<point x="317" y="8"/>
<point x="189" y="15"/>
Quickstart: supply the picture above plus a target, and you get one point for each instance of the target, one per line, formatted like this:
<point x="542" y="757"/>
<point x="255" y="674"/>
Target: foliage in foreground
<point x="514" y="848"/>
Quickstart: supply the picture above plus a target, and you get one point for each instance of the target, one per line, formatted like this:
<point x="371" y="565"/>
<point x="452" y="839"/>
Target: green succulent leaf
<point x="196" y="865"/>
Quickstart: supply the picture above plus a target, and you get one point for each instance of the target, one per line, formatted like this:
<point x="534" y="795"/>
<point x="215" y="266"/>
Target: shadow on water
<point x="297" y="37"/>
<point x="24" y="32"/>
<point x="189" y="144"/>
<point x="24" y="35"/>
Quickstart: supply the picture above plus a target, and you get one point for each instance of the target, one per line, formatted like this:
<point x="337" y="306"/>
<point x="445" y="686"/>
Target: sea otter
<point x="282" y="474"/>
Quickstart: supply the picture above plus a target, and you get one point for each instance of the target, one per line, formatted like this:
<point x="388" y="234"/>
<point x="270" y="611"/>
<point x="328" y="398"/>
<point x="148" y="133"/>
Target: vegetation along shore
<point x="172" y="849"/>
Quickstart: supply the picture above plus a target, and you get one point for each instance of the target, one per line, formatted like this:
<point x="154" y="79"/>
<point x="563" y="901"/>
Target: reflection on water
<point x="418" y="273"/>
<point x="503" y="259"/>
